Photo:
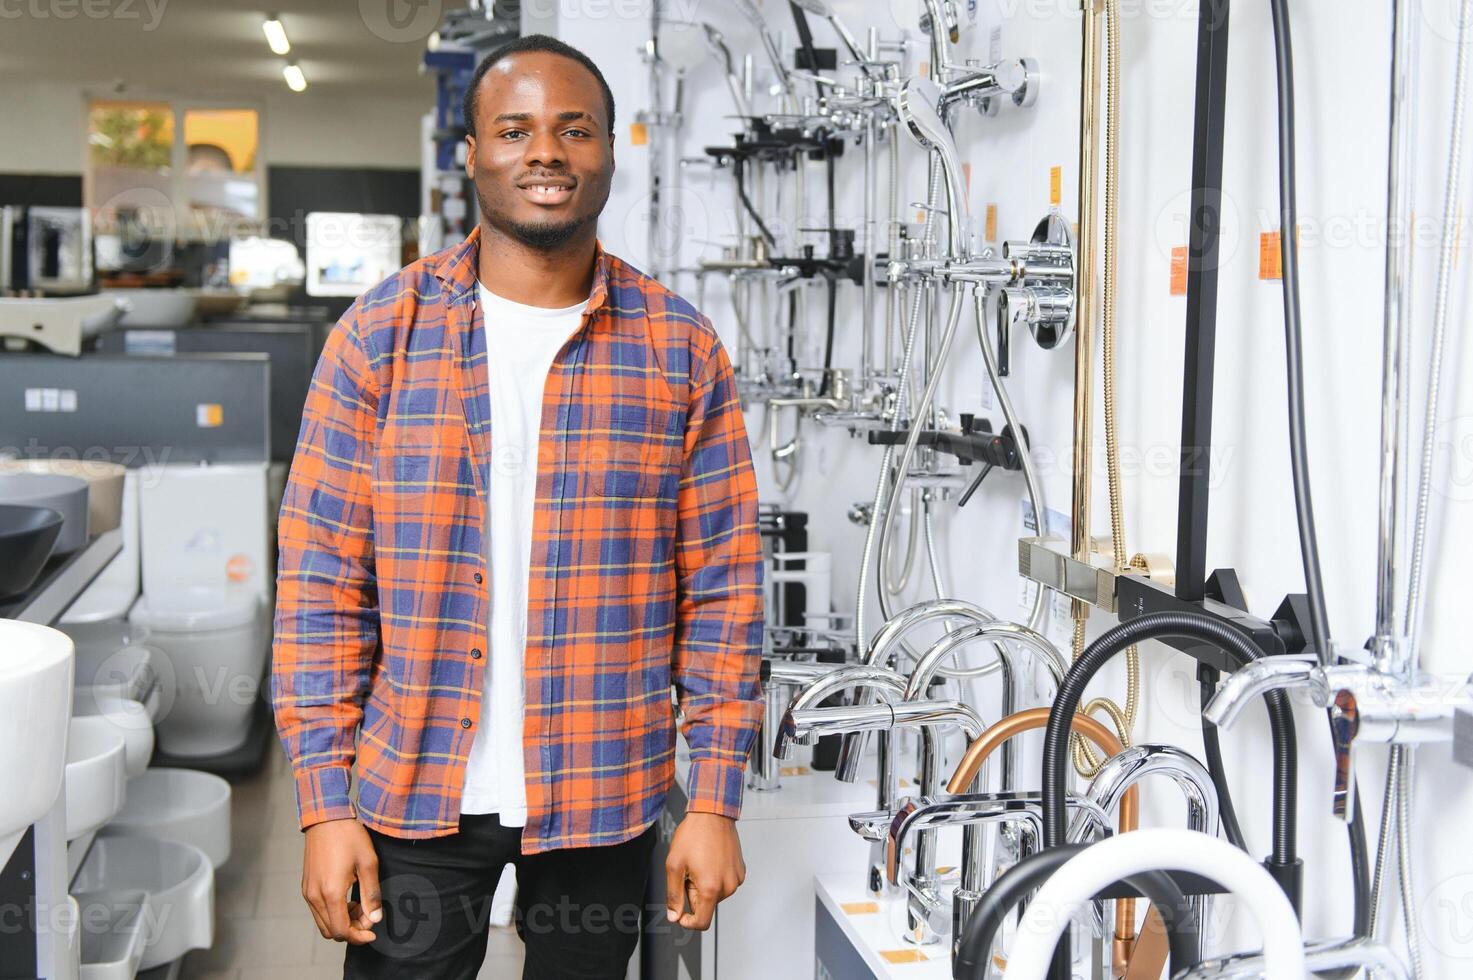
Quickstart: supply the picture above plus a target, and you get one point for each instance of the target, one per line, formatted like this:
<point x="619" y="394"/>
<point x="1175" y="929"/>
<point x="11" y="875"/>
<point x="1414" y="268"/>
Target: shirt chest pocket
<point x="634" y="449"/>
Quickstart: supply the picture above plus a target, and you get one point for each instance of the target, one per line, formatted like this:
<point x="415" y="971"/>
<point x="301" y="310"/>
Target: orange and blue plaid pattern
<point x="646" y="566"/>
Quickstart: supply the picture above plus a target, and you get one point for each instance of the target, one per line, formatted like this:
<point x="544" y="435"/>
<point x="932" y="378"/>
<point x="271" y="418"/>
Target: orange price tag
<point x="1179" y="271"/>
<point x="903" y="955"/>
<point x="639" y="134"/>
<point x="1270" y="256"/>
<point x="989" y="231"/>
<point x="1055" y="186"/>
<point x="860" y="908"/>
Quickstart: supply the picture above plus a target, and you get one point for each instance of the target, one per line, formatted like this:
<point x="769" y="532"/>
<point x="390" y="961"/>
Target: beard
<point x="541" y="236"/>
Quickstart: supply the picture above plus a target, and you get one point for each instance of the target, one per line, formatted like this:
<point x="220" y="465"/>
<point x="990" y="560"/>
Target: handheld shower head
<point x="919" y="107"/>
<point x="824" y="9"/>
<point x="749" y="10"/>
<point x="717" y="42"/>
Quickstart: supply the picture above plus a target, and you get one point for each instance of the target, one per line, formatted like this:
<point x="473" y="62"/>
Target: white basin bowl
<point x="112" y="945"/>
<point x="96" y="775"/>
<point x="156" y="307"/>
<point x="180" y="884"/>
<point x="115" y="660"/>
<point x="128" y="719"/>
<point x="35" y="705"/>
<point x="179" y="805"/>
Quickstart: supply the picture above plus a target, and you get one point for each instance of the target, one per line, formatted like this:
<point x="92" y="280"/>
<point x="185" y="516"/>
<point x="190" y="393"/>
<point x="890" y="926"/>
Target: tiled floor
<point x="264" y="930"/>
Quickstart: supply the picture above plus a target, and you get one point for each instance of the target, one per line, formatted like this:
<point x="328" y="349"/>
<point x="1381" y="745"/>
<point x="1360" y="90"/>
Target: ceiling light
<point x="276" y="35"/>
<point x="295" y="80"/>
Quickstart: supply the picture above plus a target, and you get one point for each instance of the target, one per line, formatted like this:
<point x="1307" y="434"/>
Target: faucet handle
<point x="1344" y="724"/>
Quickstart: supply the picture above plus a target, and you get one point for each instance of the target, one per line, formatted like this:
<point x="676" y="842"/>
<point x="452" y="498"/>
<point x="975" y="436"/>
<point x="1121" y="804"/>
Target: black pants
<point x="578" y="910"/>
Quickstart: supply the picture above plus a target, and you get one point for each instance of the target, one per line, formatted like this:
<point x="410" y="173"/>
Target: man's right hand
<point x="338" y="853"/>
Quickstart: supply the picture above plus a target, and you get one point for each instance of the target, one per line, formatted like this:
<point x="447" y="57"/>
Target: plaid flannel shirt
<point x="645" y="571"/>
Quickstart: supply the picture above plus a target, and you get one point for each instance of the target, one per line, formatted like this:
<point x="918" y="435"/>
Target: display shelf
<point x="858" y="936"/>
<point x="62" y="580"/>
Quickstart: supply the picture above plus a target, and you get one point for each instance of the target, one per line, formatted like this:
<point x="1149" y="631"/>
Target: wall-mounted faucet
<point x="1364" y="704"/>
<point x="1320" y="958"/>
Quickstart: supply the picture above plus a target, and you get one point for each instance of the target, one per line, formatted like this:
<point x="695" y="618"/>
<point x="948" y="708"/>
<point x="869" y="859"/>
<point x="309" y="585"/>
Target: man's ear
<point x="470" y="157"/>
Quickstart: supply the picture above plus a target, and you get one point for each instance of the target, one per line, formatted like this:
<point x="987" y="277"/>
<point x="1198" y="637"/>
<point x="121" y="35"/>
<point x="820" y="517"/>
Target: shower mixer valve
<point x="1365" y="704"/>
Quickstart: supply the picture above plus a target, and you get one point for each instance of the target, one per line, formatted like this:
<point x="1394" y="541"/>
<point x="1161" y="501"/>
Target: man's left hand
<point x="704" y="867"/>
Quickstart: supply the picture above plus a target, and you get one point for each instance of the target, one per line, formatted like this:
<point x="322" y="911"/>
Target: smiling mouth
<point x="547" y="194"/>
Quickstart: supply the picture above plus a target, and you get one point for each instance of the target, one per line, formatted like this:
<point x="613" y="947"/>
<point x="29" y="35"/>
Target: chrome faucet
<point x="1364" y="704"/>
<point x="781" y="676"/>
<point x="1320" y="958"/>
<point x="1020" y="641"/>
<point x="881" y="650"/>
<point x="890" y="685"/>
<point x="1023" y="811"/>
<point x="1124" y="769"/>
<point x="802" y="725"/>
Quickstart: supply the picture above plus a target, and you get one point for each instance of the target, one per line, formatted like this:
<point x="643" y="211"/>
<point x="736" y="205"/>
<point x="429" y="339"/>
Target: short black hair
<point x="532" y="42"/>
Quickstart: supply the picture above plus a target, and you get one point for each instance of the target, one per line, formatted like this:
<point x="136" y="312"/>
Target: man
<point x="522" y="506"/>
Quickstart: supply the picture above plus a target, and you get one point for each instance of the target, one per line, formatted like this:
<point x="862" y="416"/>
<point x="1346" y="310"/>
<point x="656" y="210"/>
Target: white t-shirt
<point x="521" y="342"/>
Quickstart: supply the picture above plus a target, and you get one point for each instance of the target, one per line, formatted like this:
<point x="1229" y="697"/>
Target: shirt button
<point x="478" y="578"/>
<point x="465" y="723"/>
<point x="475" y="654"/>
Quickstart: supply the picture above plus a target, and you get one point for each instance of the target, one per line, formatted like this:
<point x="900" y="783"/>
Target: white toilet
<point x="204" y="538"/>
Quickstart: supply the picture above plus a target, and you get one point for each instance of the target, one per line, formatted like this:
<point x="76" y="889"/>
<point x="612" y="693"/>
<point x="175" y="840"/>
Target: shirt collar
<point x="456" y="268"/>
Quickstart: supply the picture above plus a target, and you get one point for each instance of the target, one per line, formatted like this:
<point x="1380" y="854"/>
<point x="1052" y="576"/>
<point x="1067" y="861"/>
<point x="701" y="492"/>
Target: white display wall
<point x="1342" y="62"/>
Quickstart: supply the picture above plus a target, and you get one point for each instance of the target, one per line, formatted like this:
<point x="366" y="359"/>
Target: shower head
<point x="919" y="107"/>
<point x="717" y="43"/>
<point x="749" y="10"/>
<point x="824" y="9"/>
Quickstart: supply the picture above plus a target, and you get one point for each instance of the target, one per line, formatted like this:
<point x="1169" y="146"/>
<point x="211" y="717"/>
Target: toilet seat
<point x="101" y="602"/>
<point x="196" y="610"/>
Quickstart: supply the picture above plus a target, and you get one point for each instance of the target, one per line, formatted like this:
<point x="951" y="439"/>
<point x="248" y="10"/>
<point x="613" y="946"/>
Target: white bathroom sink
<point x="96" y="774"/>
<point x="35" y="703"/>
<point x="180" y="884"/>
<point x="182" y="805"/>
<point x="130" y="720"/>
<point x="113" y="943"/>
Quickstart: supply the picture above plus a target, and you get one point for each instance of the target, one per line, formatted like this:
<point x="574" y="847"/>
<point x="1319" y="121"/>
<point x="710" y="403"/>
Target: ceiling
<point x="215" y="47"/>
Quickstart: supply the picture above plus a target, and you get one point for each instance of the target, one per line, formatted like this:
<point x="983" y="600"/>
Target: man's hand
<point x="338" y="853"/>
<point x="704" y="866"/>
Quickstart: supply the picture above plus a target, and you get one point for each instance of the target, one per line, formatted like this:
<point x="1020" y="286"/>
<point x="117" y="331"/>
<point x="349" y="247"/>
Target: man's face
<point x="542" y="158"/>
